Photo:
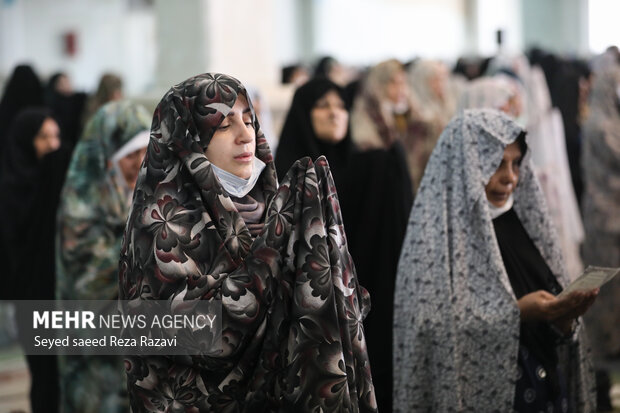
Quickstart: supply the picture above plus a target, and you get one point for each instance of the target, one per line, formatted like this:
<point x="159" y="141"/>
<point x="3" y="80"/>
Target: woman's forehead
<point x="241" y="106"/>
<point x="512" y="151"/>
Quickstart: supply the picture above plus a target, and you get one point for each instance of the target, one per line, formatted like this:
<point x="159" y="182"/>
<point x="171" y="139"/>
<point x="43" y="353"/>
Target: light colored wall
<point x="243" y="39"/>
<point x="493" y="15"/>
<point x="367" y="31"/>
<point x="109" y="37"/>
<point x="153" y="48"/>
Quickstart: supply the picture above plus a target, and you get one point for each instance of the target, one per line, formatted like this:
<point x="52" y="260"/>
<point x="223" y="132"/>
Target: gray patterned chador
<point x="292" y="307"/>
<point x="457" y="323"/>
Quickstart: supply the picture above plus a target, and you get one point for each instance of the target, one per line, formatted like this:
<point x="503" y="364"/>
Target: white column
<point x="182" y="41"/>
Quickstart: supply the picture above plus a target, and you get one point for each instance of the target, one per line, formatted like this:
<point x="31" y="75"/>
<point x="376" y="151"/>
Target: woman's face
<point x="47" y="139"/>
<point x="505" y="179"/>
<point x="330" y="118"/>
<point x="438" y="81"/>
<point x="233" y="144"/>
<point x="63" y="86"/>
<point x="397" y="89"/>
<point x="130" y="166"/>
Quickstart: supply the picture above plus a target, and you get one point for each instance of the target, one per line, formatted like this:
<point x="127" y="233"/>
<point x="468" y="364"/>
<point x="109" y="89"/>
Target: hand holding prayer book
<point x="591" y="278"/>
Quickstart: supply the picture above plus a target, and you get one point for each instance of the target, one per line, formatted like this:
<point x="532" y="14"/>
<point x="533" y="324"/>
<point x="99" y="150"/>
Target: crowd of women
<point x="400" y="250"/>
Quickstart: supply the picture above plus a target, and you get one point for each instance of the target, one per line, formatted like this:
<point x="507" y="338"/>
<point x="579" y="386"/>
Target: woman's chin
<point x="243" y="174"/>
<point x="499" y="202"/>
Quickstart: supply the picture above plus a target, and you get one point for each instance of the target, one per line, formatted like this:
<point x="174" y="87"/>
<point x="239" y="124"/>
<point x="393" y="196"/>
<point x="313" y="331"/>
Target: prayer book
<point x="591" y="278"/>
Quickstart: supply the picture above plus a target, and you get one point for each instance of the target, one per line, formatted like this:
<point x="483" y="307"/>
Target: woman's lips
<point x="245" y="157"/>
<point x="500" y="195"/>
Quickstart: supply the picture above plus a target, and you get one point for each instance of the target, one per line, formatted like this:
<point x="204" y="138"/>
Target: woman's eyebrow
<point x="233" y="112"/>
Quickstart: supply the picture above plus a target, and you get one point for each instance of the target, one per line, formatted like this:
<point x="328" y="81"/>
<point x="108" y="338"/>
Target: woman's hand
<point x="544" y="306"/>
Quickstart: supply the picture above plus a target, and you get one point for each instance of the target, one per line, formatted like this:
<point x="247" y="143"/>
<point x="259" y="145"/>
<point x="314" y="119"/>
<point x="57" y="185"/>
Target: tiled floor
<point x="14" y="381"/>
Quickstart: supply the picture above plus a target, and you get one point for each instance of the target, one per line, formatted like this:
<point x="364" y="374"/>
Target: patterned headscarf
<point x="93" y="210"/>
<point x="456" y="322"/>
<point x="291" y="305"/>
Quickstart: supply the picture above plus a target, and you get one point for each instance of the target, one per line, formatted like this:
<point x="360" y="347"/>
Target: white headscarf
<point x="420" y="77"/>
<point x="139" y="141"/>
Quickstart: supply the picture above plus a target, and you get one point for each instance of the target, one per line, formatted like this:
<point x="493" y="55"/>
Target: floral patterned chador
<point x="291" y="305"/>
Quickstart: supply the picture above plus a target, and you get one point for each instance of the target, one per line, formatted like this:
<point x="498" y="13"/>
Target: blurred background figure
<point x="263" y="113"/>
<point x="568" y="83"/>
<point x="330" y="68"/>
<point x="33" y="173"/>
<point x="91" y="218"/>
<point x="296" y="75"/>
<point x="67" y="106"/>
<point x="601" y="210"/>
<point x="433" y="93"/>
<point x="471" y="67"/>
<point x="384" y="113"/>
<point x="22" y="90"/>
<point x="492" y="92"/>
<point x="606" y="61"/>
<point x="317" y="124"/>
<point x="110" y="88"/>
<point x="373" y="183"/>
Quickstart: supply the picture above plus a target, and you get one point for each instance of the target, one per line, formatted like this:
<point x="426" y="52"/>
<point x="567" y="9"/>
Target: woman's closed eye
<point x="247" y="119"/>
<point x="321" y="104"/>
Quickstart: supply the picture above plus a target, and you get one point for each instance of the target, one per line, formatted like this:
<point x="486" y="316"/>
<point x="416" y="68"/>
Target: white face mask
<point x="497" y="211"/>
<point x="239" y="187"/>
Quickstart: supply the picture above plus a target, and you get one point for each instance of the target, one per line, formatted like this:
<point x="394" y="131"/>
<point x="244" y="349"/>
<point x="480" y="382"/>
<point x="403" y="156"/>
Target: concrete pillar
<point x="182" y="40"/>
<point x="559" y="26"/>
<point x="305" y="18"/>
<point x="471" y="26"/>
<point x="196" y="36"/>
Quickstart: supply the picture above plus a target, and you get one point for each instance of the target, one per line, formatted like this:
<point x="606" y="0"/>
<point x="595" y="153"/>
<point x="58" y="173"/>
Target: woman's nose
<point x="245" y="134"/>
<point x="509" y="176"/>
<point x="54" y="144"/>
<point x="333" y="111"/>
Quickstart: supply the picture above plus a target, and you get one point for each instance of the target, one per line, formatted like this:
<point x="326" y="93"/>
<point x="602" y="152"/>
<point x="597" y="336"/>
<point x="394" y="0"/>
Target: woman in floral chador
<point x="477" y="325"/>
<point x="209" y="222"/>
